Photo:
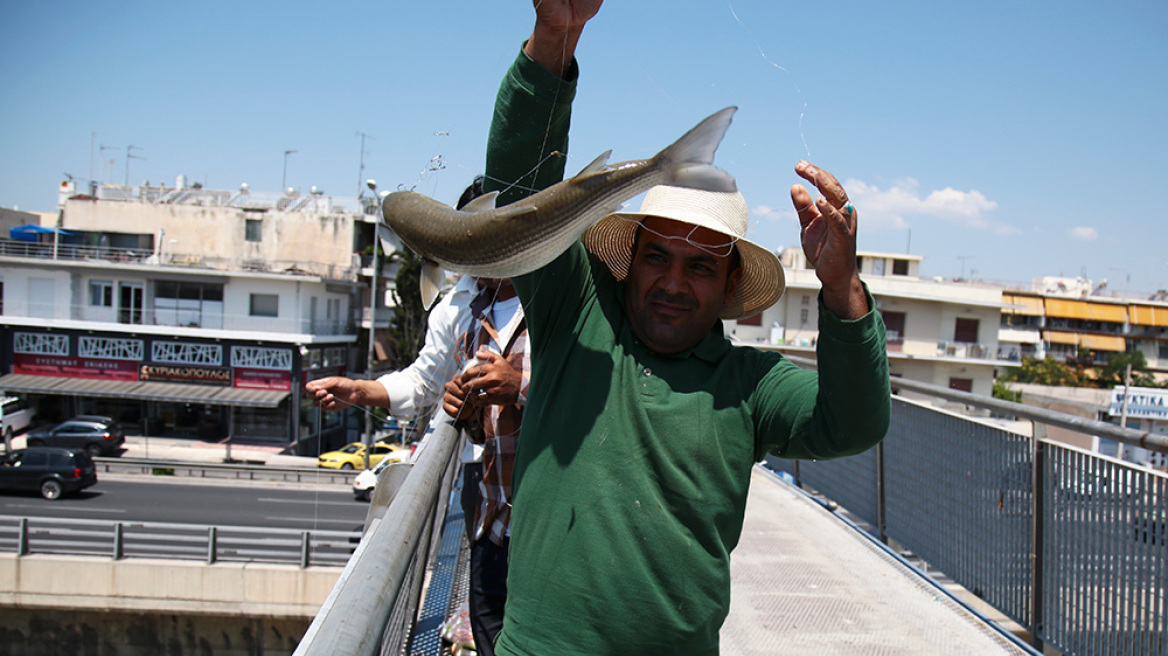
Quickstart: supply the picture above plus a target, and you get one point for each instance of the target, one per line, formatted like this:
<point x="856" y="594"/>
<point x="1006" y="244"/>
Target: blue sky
<point x="999" y="140"/>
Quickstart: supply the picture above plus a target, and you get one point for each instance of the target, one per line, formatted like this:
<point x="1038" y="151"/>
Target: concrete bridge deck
<point x="805" y="582"/>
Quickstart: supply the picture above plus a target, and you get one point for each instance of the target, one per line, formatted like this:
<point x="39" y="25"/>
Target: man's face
<point x="675" y="289"/>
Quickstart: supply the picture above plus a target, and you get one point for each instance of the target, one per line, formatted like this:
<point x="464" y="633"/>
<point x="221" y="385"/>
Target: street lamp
<point x="284" y="180"/>
<point x="372" y="184"/>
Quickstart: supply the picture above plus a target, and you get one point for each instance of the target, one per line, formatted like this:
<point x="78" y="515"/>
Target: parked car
<point x="99" y="436"/>
<point x="352" y="455"/>
<point x="15" y="416"/>
<point x="52" y="471"/>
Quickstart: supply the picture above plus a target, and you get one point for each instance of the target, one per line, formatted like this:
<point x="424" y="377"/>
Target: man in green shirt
<point x="642" y="421"/>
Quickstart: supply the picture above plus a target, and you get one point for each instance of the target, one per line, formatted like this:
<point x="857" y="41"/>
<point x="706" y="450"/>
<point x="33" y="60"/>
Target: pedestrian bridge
<point x="1043" y="548"/>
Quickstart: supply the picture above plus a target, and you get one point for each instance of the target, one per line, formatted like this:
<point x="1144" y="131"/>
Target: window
<point x="803" y="315"/>
<point x="265" y="305"/>
<point x="963" y="384"/>
<point x="878" y="266"/>
<point x="965" y="331"/>
<point x="188" y="303"/>
<point x="894" y="324"/>
<point x="253" y="229"/>
<point x="101" y="293"/>
<point x="1163" y="352"/>
<point x="900" y="267"/>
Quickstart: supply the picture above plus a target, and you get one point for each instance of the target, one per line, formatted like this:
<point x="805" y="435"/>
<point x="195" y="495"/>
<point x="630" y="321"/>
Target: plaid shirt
<point x="496" y="427"/>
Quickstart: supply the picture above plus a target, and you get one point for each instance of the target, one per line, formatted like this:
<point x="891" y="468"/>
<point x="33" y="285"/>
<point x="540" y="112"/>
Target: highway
<point x="128" y="498"/>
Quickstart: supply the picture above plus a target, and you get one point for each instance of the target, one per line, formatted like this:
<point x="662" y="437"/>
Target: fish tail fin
<point x="430" y="282"/>
<point x="688" y="162"/>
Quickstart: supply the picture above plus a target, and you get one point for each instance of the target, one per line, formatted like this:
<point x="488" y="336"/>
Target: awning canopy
<point x="1148" y="315"/>
<point x="146" y="391"/>
<point x="29" y="232"/>
<point x="1086" y="310"/>
<point x="1025" y="305"/>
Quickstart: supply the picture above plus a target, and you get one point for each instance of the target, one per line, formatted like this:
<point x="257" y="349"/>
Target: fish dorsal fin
<point x="430" y="282"/>
<point x="596" y="166"/>
<point x="484" y="203"/>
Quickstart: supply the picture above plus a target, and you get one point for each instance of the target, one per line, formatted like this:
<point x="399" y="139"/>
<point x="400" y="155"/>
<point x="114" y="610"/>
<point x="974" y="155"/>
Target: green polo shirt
<point x="631" y="479"/>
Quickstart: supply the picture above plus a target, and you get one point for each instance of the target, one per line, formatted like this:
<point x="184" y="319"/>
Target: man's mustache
<point x="680" y="300"/>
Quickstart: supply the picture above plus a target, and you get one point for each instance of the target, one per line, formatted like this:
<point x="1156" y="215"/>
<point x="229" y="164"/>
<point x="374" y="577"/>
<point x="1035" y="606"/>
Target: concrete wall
<point x="152" y="606"/>
<point x="56" y="632"/>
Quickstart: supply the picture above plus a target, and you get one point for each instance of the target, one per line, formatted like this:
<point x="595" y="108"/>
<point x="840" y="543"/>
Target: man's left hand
<point x="829" y="241"/>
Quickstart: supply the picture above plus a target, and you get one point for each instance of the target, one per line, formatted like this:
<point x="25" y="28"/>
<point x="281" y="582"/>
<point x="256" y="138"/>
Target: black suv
<point x="99" y="436"/>
<point x="49" y="470"/>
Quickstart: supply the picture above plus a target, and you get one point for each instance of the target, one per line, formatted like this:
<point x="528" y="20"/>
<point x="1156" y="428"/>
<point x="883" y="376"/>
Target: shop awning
<point x="146" y="391"/>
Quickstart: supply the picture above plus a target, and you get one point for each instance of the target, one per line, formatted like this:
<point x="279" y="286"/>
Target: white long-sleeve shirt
<point x="420" y="385"/>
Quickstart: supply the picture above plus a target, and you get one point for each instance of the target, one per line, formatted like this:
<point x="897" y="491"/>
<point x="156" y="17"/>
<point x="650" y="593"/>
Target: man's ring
<point x="482" y="393"/>
<point x="849" y="209"/>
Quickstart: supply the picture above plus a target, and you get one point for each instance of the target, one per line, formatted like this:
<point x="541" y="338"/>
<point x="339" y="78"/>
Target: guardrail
<point x="372" y="607"/>
<point x="224" y="471"/>
<point x="1070" y="544"/>
<point x="118" y="540"/>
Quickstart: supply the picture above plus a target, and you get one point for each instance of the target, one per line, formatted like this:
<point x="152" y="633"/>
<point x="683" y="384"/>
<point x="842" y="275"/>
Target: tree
<point x="407" y="328"/>
<point x="1113" y="373"/>
<point x="1044" y="372"/>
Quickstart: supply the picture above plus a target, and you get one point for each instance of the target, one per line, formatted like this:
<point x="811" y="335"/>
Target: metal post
<point x="305" y="548"/>
<point x="1037" y="562"/>
<point x="881" y="534"/>
<point x="119" y="541"/>
<point x="22" y="541"/>
<point x="212" y="544"/>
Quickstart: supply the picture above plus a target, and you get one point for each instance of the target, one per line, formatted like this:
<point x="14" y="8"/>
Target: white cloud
<point x="1085" y="233"/>
<point x="890" y="208"/>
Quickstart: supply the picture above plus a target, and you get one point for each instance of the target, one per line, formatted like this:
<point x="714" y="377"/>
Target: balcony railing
<point x="177" y="318"/>
<point x="139" y="256"/>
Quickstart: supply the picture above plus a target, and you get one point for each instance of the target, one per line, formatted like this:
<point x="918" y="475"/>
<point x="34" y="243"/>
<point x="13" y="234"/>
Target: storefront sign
<point x="71" y="367"/>
<point x="1142" y="403"/>
<point x="263" y="379"/>
<point x="182" y="373"/>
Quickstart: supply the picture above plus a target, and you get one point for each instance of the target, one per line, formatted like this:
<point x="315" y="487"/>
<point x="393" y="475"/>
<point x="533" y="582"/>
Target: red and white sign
<point x="263" y="379"/>
<point x="70" y="367"/>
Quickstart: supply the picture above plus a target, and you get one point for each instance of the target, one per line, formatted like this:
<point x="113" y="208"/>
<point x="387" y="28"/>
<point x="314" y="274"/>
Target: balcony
<point x="101" y="255"/>
<point x="35" y="313"/>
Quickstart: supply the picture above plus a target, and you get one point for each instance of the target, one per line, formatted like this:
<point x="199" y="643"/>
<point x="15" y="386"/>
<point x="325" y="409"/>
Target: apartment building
<point x="943" y="333"/>
<point x="185" y="311"/>
<point x="1067" y="318"/>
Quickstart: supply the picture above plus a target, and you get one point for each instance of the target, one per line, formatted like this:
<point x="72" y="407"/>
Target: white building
<point x="187" y="311"/>
<point x="943" y="333"/>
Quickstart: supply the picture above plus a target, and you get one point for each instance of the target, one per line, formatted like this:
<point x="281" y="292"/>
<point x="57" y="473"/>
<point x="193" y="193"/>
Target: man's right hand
<point x="338" y="393"/>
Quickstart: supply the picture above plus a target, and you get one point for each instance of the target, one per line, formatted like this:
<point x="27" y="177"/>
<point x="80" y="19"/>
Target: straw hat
<point x="611" y="239"/>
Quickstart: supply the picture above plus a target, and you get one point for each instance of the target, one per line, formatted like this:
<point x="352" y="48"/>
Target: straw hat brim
<point x="761" y="285"/>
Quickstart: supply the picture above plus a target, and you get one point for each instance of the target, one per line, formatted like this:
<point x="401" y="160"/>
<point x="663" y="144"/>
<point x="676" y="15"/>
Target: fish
<point x="487" y="241"/>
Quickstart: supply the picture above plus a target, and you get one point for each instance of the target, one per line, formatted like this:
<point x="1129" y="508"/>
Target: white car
<point x="365" y="481"/>
<point x="15" y="416"/>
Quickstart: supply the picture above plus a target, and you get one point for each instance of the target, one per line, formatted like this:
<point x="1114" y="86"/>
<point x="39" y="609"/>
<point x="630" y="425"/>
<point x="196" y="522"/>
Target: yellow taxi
<point x="352" y="455"/>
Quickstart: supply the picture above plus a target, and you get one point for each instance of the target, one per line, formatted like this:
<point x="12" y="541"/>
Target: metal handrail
<point x="1128" y="436"/>
<point x="224" y="470"/>
<point x="354" y="617"/>
<point x="218" y="543"/>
